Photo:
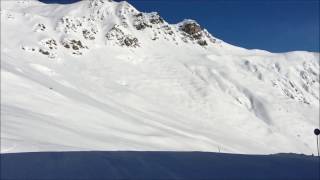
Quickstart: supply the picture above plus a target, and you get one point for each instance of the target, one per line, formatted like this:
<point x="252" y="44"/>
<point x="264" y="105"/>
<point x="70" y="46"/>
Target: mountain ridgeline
<point x="113" y="24"/>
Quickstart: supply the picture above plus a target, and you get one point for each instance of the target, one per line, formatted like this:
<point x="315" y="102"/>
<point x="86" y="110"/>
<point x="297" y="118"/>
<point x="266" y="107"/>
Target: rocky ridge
<point x="77" y="33"/>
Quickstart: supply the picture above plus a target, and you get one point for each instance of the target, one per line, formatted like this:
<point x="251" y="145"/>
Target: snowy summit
<point x="100" y="75"/>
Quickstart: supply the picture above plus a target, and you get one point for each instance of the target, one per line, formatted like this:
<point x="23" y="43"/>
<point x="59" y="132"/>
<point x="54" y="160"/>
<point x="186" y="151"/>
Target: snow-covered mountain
<point x="100" y="75"/>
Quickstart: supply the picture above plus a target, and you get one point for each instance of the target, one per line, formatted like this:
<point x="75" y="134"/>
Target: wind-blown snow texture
<point x="100" y="75"/>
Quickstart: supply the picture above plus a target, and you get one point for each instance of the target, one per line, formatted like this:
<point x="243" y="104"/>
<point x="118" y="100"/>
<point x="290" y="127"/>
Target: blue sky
<point x="273" y="25"/>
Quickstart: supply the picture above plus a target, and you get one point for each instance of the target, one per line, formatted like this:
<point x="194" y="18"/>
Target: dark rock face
<point x="191" y="28"/>
<point x="95" y="3"/>
<point x="75" y="45"/>
<point x="140" y="22"/>
<point x="167" y="30"/>
<point x="88" y="34"/>
<point x="138" y="15"/>
<point x="51" y="43"/>
<point x="143" y="21"/>
<point x="119" y="37"/>
<point x="44" y="52"/>
<point x="40" y="27"/>
<point x="192" y="31"/>
<point x="141" y="26"/>
<point x="67" y="46"/>
<point x="133" y="42"/>
<point x="156" y="19"/>
<point x="202" y="43"/>
<point x="114" y="33"/>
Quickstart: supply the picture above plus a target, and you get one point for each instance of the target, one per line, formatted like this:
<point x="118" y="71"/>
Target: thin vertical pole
<point x="318" y="156"/>
<point x="318" y="144"/>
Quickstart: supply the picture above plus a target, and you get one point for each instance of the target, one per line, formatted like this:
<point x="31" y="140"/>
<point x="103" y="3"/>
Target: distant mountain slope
<point x="100" y="75"/>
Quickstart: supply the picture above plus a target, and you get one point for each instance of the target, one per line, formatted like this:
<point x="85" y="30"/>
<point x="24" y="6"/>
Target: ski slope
<point x="100" y="75"/>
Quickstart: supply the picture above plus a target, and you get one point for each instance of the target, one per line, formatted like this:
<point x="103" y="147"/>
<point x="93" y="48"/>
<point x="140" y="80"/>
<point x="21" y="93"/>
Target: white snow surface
<point x="70" y="81"/>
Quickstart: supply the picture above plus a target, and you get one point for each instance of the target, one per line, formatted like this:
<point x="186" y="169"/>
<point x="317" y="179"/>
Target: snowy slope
<point x="100" y="75"/>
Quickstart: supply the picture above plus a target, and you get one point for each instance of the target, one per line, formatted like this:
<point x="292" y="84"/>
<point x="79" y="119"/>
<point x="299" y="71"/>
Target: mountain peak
<point x="85" y="25"/>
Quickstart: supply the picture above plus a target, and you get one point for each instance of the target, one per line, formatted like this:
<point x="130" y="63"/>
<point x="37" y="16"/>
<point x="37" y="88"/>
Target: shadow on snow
<point x="156" y="165"/>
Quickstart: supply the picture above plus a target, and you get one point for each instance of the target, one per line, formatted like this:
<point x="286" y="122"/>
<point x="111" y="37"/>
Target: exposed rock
<point x="191" y="28"/>
<point x="197" y="36"/>
<point x="141" y="26"/>
<point x="44" y="52"/>
<point x="138" y="15"/>
<point x="49" y="43"/>
<point x="69" y="24"/>
<point x="96" y="3"/>
<point x="46" y="47"/>
<point x="167" y="30"/>
<point x="131" y="41"/>
<point x="145" y="20"/>
<point x="115" y="33"/>
<point x="40" y="28"/>
<point x="75" y="45"/>
<point x="29" y="49"/>
<point x="192" y="31"/>
<point x="85" y="26"/>
<point x="209" y="36"/>
<point x="155" y="18"/>
<point x="48" y="53"/>
<point x="119" y="37"/>
<point x="88" y="34"/>
<point x="140" y="22"/>
<point x="155" y="36"/>
<point x="202" y="42"/>
<point x="66" y="46"/>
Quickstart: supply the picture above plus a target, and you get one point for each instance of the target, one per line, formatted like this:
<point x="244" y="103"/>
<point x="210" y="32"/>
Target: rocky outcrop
<point x="49" y="43"/>
<point x="191" y="28"/>
<point x="202" y="42"/>
<point x="96" y="3"/>
<point x="155" y="18"/>
<point x="192" y="31"/>
<point x="77" y="33"/>
<point x="85" y="26"/>
<point x="131" y="41"/>
<point x="117" y="35"/>
<point x="48" y="47"/>
<point x="89" y="34"/>
<point x="140" y="22"/>
<point x="76" y="46"/>
<point x="40" y="28"/>
<point x="147" y="20"/>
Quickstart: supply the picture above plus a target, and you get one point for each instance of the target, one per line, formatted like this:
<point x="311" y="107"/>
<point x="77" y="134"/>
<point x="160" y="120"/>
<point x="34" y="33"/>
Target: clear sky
<point x="273" y="25"/>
